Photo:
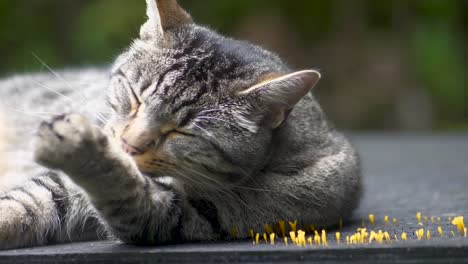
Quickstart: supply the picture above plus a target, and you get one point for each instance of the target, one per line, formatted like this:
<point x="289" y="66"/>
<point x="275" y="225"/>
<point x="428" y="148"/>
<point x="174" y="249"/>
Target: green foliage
<point x="84" y="32"/>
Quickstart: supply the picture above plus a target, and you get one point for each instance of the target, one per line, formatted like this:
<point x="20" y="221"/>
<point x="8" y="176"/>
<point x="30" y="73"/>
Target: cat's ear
<point x="282" y="93"/>
<point x="162" y="16"/>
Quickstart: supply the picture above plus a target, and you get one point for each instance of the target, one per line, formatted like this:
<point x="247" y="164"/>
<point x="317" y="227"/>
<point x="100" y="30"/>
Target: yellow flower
<point x="257" y="238"/>
<point x="317" y="238"/>
<point x="387" y="236"/>
<point x="292" y="235"/>
<point x="272" y="239"/>
<point x="293" y="225"/>
<point x="419" y="233"/>
<point x="386" y="219"/>
<point x="338" y="237"/>
<point x="371" y="219"/>
<point x="418" y="217"/>
<point x="301" y="238"/>
<point x="268" y="229"/>
<point x="460" y="224"/>
<point x="403" y="236"/>
<point x="324" y="238"/>
<point x="282" y="226"/>
<point x="441" y="233"/>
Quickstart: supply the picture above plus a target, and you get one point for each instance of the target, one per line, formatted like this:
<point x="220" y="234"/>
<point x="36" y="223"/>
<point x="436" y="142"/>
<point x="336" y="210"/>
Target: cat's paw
<point x="67" y="142"/>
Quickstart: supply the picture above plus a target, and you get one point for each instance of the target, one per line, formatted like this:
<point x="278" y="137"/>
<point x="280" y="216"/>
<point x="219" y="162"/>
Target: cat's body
<point x="207" y="135"/>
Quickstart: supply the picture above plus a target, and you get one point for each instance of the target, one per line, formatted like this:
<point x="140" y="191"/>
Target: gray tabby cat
<point x="205" y="134"/>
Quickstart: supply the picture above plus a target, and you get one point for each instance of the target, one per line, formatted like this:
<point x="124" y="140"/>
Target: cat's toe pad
<point x="67" y="141"/>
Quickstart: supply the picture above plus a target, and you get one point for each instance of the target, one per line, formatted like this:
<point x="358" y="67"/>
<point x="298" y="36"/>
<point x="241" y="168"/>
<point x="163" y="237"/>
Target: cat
<point x="188" y="136"/>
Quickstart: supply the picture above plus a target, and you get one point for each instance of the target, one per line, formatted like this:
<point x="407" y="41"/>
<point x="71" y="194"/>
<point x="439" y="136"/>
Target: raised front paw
<point x="68" y="142"/>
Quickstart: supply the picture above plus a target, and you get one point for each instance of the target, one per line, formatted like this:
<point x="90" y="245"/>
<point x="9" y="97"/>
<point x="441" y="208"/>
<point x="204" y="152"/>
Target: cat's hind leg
<point x="44" y="210"/>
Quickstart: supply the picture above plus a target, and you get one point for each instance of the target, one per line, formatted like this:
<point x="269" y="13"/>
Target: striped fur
<point x="193" y="135"/>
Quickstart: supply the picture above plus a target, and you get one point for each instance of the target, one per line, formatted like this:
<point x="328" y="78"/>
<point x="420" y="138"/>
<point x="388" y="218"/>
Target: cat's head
<point x="198" y="106"/>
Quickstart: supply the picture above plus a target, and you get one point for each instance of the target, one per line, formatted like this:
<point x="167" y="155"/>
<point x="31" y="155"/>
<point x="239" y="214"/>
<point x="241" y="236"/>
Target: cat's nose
<point x="135" y="150"/>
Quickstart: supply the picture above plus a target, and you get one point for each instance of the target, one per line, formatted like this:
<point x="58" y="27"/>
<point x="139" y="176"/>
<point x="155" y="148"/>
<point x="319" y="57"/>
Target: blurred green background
<point x="387" y="65"/>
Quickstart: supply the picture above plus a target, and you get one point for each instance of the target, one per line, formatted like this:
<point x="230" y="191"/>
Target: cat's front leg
<point x="136" y="208"/>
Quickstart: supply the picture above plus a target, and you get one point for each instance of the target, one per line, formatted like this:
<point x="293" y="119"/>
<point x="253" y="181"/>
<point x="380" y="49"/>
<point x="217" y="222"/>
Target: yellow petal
<point x="403" y="236"/>
<point x="371" y="219"/>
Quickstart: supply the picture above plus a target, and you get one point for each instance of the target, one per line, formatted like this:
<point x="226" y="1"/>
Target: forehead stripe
<point x="163" y="76"/>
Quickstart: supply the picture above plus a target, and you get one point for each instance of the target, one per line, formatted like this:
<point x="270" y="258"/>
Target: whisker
<point x="207" y="118"/>
<point x="59" y="77"/>
<point x="55" y="91"/>
<point x="203" y="130"/>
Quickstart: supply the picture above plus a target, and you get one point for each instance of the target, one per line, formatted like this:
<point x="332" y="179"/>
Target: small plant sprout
<point x="418" y="217"/>
<point x="257" y="238"/>
<point x="347" y="240"/>
<point x="387" y="237"/>
<point x="439" y="220"/>
<point x="372" y="219"/>
<point x="432" y="220"/>
<point x="292" y="235"/>
<point x="395" y="221"/>
<point x="386" y="219"/>
<point x="268" y="229"/>
<point x="439" y="230"/>
<point x="272" y="239"/>
<point x="419" y="233"/>
<point x="380" y="237"/>
<point x="428" y="235"/>
<point x="317" y="238"/>
<point x="426" y="219"/>
<point x="265" y="238"/>
<point x="460" y="224"/>
<point x="301" y="240"/>
<point x="396" y="237"/>
<point x="285" y="241"/>
<point x="404" y="237"/>
<point x="293" y="225"/>
<point x="252" y="234"/>
<point x="324" y="238"/>
<point x="453" y="233"/>
<point x="234" y="233"/>
<point x="338" y="237"/>
<point x="282" y="226"/>
<point x="341" y="224"/>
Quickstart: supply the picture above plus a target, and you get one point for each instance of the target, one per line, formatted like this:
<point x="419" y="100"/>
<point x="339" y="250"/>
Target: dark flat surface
<point x="404" y="174"/>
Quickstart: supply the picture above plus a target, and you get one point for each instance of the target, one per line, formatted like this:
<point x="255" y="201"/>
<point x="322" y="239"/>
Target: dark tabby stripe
<point x="59" y="197"/>
<point x="29" y="209"/>
<point x="163" y="76"/>
<point x="203" y="89"/>
<point x="208" y="210"/>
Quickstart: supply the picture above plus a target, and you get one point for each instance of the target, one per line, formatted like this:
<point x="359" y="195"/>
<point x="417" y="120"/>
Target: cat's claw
<point x="67" y="141"/>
